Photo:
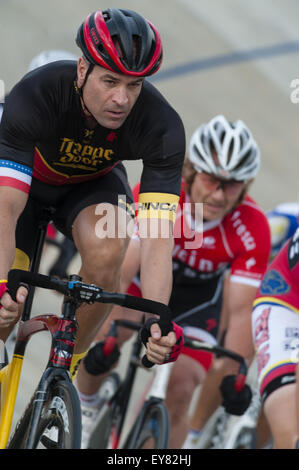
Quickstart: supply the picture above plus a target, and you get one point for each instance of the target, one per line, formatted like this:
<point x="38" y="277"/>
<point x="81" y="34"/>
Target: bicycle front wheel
<point x="153" y="431"/>
<point x="59" y="425"/>
<point x="60" y="421"/>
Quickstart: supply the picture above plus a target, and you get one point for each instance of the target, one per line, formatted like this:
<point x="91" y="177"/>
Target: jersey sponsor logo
<point x="250" y="262"/>
<point x="211" y="323"/>
<point x="288" y="379"/>
<point x="192" y="259"/>
<point x="291" y="332"/>
<point x="262" y="358"/>
<point x="293" y="250"/>
<point x="261" y="330"/>
<point x="261" y="335"/>
<point x="112" y="137"/>
<point x="209" y="242"/>
<point x="157" y="205"/>
<point x="83" y="156"/>
<point x="274" y="284"/>
<point x="88" y="135"/>
<point x="242" y="232"/>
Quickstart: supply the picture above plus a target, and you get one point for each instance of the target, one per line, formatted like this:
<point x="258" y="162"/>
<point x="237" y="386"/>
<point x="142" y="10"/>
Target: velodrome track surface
<point x="235" y="58"/>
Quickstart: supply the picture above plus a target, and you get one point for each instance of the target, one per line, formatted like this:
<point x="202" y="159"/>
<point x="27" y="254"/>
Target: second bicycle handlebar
<point x="190" y="343"/>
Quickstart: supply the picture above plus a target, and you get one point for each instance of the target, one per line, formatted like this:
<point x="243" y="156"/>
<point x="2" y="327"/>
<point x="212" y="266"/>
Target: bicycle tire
<point x="60" y="412"/>
<point x="153" y="431"/>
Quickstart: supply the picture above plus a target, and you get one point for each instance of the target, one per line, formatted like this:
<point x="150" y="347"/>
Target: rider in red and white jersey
<point x="275" y="327"/>
<point x="219" y="231"/>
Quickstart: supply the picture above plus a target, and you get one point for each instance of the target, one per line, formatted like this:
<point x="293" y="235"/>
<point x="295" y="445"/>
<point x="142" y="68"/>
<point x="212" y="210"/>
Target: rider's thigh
<point x="102" y="242"/>
<point x="280" y="412"/>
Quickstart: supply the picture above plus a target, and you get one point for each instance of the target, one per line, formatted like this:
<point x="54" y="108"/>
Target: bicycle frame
<point x="10" y="374"/>
<point x="124" y="392"/>
<point x="75" y="292"/>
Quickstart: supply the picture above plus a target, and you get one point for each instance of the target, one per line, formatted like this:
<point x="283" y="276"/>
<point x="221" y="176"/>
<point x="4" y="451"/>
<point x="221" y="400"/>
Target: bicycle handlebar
<point x="90" y="293"/>
<point x="222" y="352"/>
<point x="197" y="345"/>
<point x="83" y="292"/>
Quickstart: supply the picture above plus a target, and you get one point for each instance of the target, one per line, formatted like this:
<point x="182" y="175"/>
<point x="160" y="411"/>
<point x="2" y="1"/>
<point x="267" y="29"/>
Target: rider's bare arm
<point x="12" y="203"/>
<point x="156" y="265"/>
<point x="156" y="282"/>
<point x="238" y="337"/>
<point x="131" y="264"/>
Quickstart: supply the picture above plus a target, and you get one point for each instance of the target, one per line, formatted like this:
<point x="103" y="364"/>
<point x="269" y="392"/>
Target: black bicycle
<point x="151" y="427"/>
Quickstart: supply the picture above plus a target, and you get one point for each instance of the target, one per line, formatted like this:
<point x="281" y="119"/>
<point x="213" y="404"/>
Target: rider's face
<point x="217" y="196"/>
<point x="109" y="96"/>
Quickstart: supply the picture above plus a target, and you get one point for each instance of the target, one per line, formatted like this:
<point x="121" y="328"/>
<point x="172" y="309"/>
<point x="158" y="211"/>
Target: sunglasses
<point x="230" y="187"/>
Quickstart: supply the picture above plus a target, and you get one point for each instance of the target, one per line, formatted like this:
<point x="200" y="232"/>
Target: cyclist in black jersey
<point x="65" y="130"/>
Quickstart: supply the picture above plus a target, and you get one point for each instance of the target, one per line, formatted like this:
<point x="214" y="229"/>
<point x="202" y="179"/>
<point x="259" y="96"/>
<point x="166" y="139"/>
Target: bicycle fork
<point x="156" y="394"/>
<point x="159" y="386"/>
<point x="63" y="343"/>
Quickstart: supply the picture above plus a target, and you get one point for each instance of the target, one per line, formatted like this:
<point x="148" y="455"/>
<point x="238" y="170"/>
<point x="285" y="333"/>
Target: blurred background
<point x="231" y="57"/>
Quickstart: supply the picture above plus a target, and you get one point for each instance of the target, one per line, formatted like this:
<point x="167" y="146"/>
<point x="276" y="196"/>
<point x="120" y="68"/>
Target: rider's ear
<point x="82" y="67"/>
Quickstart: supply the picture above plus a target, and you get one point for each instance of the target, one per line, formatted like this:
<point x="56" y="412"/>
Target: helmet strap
<point x="80" y="90"/>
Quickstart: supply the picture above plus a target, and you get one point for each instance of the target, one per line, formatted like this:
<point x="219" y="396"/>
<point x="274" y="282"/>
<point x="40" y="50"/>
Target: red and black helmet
<point x="121" y="41"/>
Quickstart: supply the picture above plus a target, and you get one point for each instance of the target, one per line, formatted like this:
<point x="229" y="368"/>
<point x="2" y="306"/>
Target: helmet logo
<point x="223" y="173"/>
<point x="94" y="36"/>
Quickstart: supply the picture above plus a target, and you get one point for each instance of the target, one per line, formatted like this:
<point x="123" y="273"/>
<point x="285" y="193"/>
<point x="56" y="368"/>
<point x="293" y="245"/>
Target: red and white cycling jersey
<point x="239" y="241"/>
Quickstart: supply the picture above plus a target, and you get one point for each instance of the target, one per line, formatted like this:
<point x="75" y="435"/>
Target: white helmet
<point x="238" y="153"/>
<point x="46" y="57"/>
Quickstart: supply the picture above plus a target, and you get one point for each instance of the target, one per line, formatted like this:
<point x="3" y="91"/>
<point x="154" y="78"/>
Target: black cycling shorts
<point x="198" y="305"/>
<point x="66" y="202"/>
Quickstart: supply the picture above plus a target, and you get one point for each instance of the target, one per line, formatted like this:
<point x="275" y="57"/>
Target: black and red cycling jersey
<point x="43" y="135"/>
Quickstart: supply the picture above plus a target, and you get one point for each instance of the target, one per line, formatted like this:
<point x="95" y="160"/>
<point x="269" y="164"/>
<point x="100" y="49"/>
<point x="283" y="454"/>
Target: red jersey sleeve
<point x="251" y="233"/>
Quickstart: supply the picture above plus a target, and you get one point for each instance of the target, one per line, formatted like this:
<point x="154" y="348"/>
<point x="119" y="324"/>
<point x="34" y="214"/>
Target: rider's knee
<point x="102" y="262"/>
<point x="181" y="387"/>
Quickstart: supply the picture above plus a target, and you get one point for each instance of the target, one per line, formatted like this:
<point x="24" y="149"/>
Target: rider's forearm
<point x="156" y="269"/>
<point x="239" y="339"/>
<point x="12" y="203"/>
<point x="7" y="246"/>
